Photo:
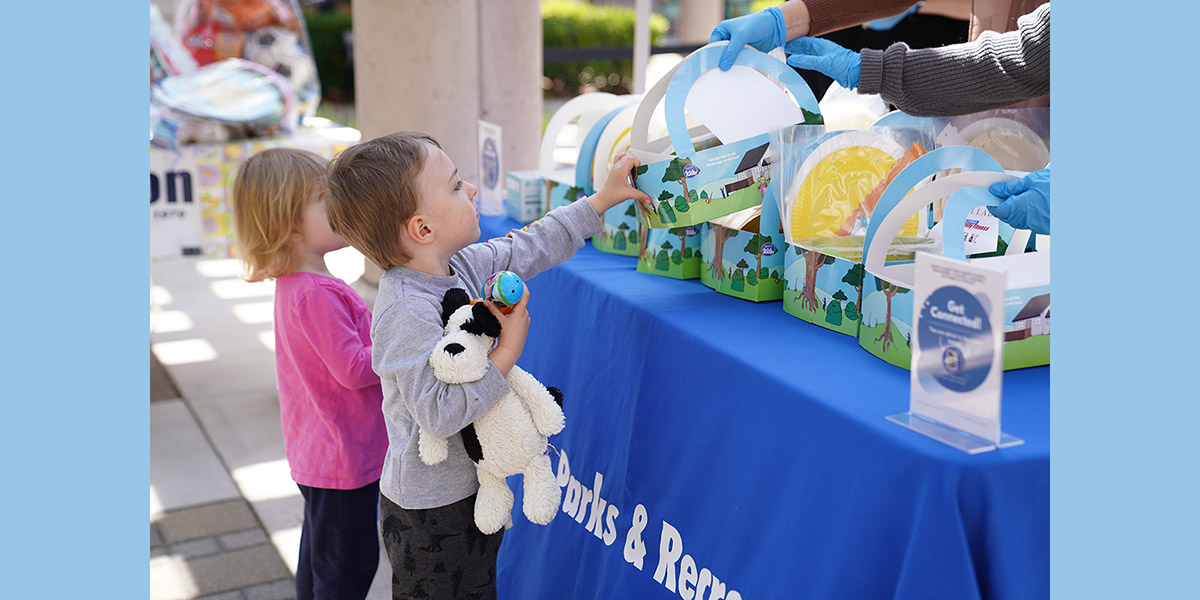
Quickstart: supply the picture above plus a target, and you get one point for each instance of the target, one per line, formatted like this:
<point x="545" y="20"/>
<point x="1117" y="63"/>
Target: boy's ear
<point x="418" y="230"/>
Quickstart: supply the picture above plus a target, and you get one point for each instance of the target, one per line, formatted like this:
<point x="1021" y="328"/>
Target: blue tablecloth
<point x="732" y="441"/>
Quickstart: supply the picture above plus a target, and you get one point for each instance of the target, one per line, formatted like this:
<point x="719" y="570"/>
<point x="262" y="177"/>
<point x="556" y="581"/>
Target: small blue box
<point x="523" y="194"/>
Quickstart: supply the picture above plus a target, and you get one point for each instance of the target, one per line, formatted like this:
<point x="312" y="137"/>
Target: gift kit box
<point x="523" y="196"/>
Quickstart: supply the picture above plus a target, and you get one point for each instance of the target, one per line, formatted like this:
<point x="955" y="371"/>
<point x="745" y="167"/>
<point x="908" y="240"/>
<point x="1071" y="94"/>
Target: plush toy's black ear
<point x="482" y="322"/>
<point x="452" y="301"/>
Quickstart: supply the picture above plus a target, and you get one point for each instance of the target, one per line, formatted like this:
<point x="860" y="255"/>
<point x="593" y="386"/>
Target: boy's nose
<point x="472" y="190"/>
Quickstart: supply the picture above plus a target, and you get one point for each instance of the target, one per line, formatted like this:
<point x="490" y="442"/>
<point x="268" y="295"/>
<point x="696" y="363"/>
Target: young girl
<point x="329" y="397"/>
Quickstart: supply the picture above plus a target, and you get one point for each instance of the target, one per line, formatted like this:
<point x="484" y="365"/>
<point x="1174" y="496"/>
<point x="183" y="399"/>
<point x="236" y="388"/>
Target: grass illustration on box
<point x="683" y="197"/>
<point x="725" y="266"/>
<point x="1027" y="327"/>
<point x="673" y="252"/>
<point x="621" y="232"/>
<point x="825" y="289"/>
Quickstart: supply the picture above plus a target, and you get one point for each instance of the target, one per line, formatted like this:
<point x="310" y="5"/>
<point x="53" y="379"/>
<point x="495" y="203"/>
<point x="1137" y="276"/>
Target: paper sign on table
<point x="957" y="355"/>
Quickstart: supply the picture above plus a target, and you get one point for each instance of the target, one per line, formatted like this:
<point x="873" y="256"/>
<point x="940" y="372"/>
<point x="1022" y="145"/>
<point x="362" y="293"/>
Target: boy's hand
<point x="514" y="327"/>
<point x="618" y="188"/>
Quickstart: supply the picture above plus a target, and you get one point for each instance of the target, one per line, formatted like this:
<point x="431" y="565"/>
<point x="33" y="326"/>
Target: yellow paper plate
<point x="835" y="178"/>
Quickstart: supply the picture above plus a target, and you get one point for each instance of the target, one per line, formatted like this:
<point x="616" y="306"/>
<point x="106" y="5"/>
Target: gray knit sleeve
<point x="994" y="71"/>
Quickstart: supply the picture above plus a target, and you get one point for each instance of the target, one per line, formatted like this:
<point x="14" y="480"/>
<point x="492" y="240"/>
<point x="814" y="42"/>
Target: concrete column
<point x="439" y="66"/>
<point x="510" y="45"/>
<point x="416" y="66"/>
<point x="697" y="18"/>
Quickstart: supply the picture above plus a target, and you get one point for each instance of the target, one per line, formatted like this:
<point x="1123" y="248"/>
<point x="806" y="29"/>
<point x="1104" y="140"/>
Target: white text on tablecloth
<point x="676" y="571"/>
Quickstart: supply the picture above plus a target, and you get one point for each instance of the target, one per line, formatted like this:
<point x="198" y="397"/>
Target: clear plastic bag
<point x="269" y="32"/>
<point x="830" y="180"/>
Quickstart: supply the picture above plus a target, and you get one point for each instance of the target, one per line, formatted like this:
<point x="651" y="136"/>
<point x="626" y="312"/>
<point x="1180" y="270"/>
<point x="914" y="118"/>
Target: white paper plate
<point x="1015" y="146"/>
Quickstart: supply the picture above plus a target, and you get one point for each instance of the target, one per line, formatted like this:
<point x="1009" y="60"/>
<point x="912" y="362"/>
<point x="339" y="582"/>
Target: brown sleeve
<point x="831" y="15"/>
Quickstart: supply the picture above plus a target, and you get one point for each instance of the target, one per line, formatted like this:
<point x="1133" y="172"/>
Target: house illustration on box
<point x="1032" y="320"/>
<point x="755" y="164"/>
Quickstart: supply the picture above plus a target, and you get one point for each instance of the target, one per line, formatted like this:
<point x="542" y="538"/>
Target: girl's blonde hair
<point x="269" y="195"/>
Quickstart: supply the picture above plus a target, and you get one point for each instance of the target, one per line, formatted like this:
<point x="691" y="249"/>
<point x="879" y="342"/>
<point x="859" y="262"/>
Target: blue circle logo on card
<point x="955" y="328"/>
<point x="491" y="164"/>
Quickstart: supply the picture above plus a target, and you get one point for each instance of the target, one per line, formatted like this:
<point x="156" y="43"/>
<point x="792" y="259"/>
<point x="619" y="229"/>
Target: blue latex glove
<point x="887" y="23"/>
<point x="1026" y="202"/>
<point x="763" y="30"/>
<point x="824" y="56"/>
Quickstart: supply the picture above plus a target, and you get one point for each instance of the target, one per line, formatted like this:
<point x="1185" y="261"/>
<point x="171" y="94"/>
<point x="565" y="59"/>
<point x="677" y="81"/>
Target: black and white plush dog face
<point x="461" y="356"/>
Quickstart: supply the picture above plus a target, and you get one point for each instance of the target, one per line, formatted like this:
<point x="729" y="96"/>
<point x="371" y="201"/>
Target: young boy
<point x="399" y="200"/>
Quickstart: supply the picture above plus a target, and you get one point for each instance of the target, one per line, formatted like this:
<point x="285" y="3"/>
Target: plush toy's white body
<point x="512" y="433"/>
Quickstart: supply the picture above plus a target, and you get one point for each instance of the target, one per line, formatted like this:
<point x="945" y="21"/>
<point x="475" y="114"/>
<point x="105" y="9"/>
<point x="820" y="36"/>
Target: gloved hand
<point x="824" y="56"/>
<point x="764" y="30"/>
<point x="1026" y="202"/>
<point x="887" y="23"/>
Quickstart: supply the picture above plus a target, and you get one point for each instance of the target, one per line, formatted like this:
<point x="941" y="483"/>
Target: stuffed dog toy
<point x="511" y="437"/>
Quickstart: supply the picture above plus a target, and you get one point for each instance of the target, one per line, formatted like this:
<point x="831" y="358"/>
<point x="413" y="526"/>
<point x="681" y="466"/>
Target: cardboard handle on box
<point x="896" y="205"/>
<point x="566" y="113"/>
<point x="639" y="144"/>
<point x="874" y="254"/>
<point x="959" y="207"/>
<point x="706" y="59"/>
<point x="675" y="86"/>
<point x="587" y="151"/>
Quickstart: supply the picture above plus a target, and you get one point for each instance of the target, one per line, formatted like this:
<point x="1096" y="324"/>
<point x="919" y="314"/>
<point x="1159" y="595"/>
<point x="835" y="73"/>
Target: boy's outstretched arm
<point x="551" y="239"/>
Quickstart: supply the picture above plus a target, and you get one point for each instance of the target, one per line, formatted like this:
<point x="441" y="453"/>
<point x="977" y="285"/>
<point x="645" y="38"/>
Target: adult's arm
<point x="994" y="71"/>
<point x="818" y="17"/>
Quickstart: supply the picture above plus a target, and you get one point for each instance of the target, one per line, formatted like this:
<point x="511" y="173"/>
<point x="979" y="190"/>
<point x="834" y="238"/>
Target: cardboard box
<point x="523" y="194"/>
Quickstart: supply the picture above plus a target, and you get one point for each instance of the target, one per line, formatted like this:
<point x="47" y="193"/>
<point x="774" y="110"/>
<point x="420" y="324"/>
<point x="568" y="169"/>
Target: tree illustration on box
<point x="755" y="247"/>
<point x="812" y="118"/>
<point x="619" y="240"/>
<point x="682" y="233"/>
<point x="675" y="172"/>
<point x="813" y="261"/>
<point x="721" y="233"/>
<point x="739" y="279"/>
<point x="573" y="194"/>
<point x="632" y="212"/>
<point x="833" y="312"/>
<point x="662" y="262"/>
<point x="665" y="213"/>
<point x="889" y="290"/>
<point x="854" y="277"/>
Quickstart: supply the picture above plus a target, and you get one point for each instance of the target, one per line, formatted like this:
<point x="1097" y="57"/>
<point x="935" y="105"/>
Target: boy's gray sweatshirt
<point x="994" y="71"/>
<point x="407" y="325"/>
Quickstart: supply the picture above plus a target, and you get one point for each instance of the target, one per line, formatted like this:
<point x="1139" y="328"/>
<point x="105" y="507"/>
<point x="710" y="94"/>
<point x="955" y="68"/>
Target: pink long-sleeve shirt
<point x="329" y="396"/>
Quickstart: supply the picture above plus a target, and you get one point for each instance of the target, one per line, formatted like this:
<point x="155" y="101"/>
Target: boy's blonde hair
<point x="373" y="192"/>
<point x="269" y="195"/>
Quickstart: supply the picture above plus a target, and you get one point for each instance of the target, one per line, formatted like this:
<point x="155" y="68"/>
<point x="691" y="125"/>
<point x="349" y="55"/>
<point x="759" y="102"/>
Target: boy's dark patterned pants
<point x="439" y="553"/>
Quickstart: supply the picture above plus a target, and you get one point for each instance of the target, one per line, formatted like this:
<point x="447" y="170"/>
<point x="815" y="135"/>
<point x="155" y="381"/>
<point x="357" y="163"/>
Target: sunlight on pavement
<point x="232" y="289"/>
<point x="182" y="352"/>
<point x="268" y="339"/>
<point x="170" y="321"/>
<point x="253" y="313"/>
<point x="266" y="481"/>
<point x="226" y="267"/>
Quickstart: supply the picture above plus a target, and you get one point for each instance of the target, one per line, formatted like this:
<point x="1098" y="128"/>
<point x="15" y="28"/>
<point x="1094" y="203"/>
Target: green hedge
<point x="326" y="33"/>
<point x="575" y="24"/>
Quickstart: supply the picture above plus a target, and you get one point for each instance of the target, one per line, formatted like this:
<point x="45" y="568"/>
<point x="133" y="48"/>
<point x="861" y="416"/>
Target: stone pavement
<point x="225" y="515"/>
